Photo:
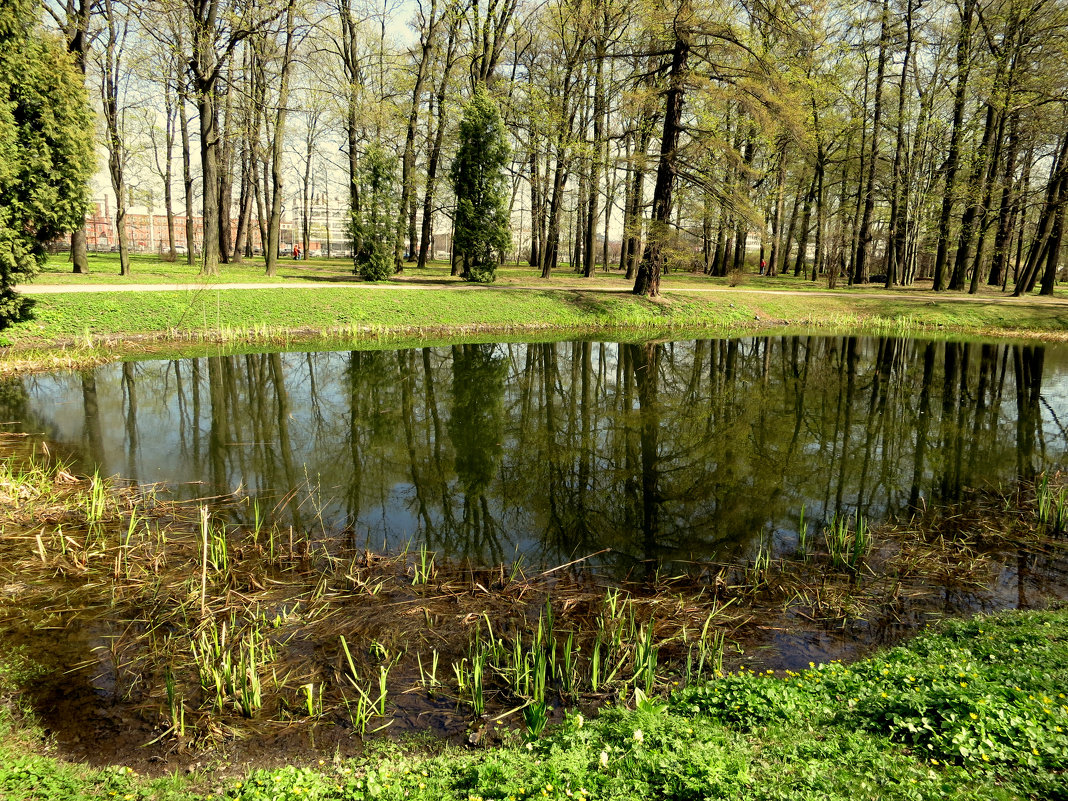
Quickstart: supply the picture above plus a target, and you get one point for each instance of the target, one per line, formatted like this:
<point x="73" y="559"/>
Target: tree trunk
<point x="537" y="214"/>
<point x="860" y="271"/>
<point x="407" y="202"/>
<point x="953" y="158"/>
<point x="425" y="241"/>
<point x="895" y="245"/>
<point x="1048" y="222"/>
<point x="187" y="175"/>
<point x="205" y="78"/>
<point x="647" y="282"/>
<point x="226" y="173"/>
<point x="777" y="212"/>
<point x="75" y="26"/>
<point x="274" y="226"/>
<point x="633" y="215"/>
<point x="806" y="227"/>
<point x="244" y="212"/>
<point x="111" y="64"/>
<point x="600" y="53"/>
<point x="999" y="262"/>
<point x="976" y="185"/>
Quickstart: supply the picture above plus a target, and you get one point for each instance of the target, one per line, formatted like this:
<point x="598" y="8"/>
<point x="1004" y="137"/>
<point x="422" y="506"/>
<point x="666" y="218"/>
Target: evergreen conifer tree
<point x="479" y="181"/>
<point x="46" y="154"/>
<point x="375" y="223"/>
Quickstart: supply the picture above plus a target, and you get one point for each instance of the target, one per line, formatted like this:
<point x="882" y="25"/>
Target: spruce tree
<point x="374" y="225"/>
<point x="46" y="155"/>
<point x="481" y="186"/>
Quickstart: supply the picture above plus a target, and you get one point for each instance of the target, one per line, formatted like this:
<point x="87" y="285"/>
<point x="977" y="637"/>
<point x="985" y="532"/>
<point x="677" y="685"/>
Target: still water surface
<point x="663" y="451"/>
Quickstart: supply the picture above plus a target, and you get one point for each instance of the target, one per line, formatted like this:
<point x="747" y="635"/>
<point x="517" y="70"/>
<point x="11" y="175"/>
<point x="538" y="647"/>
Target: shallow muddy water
<point x="685" y="450"/>
<point x="417" y="502"/>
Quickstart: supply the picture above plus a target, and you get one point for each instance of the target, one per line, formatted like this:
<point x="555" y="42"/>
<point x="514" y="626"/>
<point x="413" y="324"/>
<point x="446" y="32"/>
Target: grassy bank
<point x="147" y="268"/>
<point x="974" y="709"/>
<point x="79" y="328"/>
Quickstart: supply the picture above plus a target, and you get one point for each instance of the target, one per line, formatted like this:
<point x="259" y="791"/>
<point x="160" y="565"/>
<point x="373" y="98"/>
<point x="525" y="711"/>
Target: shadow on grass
<point x="324" y="278"/>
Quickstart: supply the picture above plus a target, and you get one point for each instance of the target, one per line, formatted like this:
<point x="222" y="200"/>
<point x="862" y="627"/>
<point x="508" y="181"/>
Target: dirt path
<point x="930" y="297"/>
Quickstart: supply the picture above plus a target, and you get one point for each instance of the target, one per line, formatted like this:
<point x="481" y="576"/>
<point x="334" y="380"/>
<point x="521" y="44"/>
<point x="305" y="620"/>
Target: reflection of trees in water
<point x="1028" y="362"/>
<point x="476" y="428"/>
<point x="655" y="450"/>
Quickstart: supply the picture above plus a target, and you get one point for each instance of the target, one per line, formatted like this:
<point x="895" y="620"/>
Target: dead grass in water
<point x="202" y="631"/>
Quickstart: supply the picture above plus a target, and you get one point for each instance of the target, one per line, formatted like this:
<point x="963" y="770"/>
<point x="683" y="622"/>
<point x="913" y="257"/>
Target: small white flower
<point x="579" y="720"/>
<point x="604" y="759"/>
<point x="639" y="736"/>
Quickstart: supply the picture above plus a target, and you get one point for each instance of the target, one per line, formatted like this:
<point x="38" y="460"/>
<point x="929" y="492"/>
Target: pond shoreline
<point x="73" y="330"/>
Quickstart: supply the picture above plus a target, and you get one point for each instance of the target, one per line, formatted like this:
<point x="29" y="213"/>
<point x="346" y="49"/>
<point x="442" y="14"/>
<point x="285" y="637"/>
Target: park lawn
<point x="331" y="308"/>
<point x="148" y="268"/>
<point x="209" y="314"/>
<point x="973" y="709"/>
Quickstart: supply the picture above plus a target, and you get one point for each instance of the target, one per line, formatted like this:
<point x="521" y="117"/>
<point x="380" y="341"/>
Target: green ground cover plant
<point x="970" y="709"/>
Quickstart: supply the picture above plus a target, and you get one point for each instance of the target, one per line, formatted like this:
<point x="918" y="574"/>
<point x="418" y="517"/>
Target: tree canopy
<point x="888" y="140"/>
<point x="46" y="156"/>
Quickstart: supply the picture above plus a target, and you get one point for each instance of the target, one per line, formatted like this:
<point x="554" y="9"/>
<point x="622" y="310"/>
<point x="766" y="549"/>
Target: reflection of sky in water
<point x="732" y="460"/>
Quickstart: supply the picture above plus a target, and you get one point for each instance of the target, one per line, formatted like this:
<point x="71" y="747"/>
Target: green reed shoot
<point x="837" y="538"/>
<point x="249" y="690"/>
<point x="459" y="669"/>
<point x="802" y="535"/>
<point x="595" y="665"/>
<point x="95" y="501"/>
<point x="516" y="570"/>
<point x="360" y="712"/>
<point x="1051" y="505"/>
<point x="478" y="670"/>
<point x="549" y="620"/>
<point x="175" y="706"/>
<point x="862" y="542"/>
<point x="353" y="675"/>
<point x="645" y="656"/>
<point x="1044" y="500"/>
<point x="383" y="678"/>
<point x="312" y="703"/>
<point x="536" y="716"/>
<point x="847" y="544"/>
<point x="761" y="569"/>
<point x="539" y="675"/>
<point x="611" y="602"/>
<point x="218" y="555"/>
<point x="257" y="522"/>
<point x="424" y="568"/>
<point x="569" y="663"/>
<point x="428" y="678"/>
<point x="709" y="652"/>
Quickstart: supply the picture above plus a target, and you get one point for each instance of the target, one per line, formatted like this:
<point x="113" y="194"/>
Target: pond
<point x="311" y="547"/>
<point x="659" y="452"/>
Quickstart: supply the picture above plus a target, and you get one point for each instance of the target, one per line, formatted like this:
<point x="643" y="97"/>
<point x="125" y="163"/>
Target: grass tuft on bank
<point x="973" y="709"/>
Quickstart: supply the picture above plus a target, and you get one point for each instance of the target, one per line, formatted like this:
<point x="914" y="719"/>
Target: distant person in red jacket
<point x="296" y="252"/>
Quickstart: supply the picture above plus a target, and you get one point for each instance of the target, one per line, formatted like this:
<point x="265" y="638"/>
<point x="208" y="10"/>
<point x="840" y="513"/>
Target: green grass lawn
<point x="973" y="710"/>
<point x="152" y="269"/>
<point x="323" y="302"/>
